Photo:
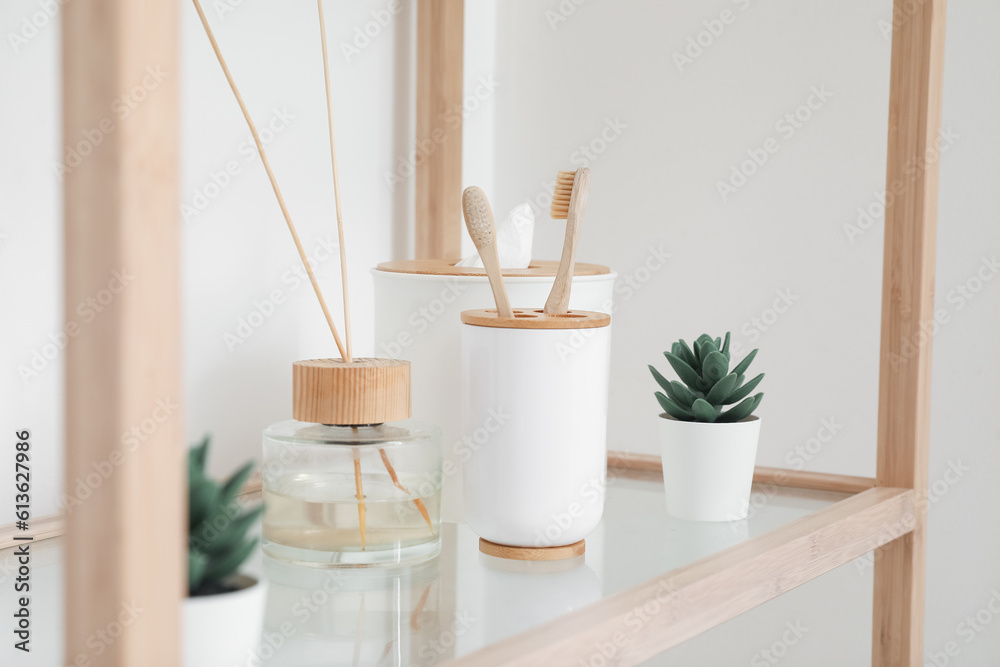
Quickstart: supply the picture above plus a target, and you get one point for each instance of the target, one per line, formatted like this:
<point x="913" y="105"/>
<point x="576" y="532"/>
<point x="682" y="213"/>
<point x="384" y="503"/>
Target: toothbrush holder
<point x="534" y="422"/>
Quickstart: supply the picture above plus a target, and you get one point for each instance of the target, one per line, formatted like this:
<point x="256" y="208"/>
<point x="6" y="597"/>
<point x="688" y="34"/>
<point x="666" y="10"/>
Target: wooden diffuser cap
<point x="365" y="391"/>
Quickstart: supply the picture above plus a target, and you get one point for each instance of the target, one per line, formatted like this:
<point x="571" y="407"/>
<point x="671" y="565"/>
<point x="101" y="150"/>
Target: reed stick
<point x="395" y="480"/>
<point x="274" y="183"/>
<point x="336" y="182"/>
<point x="360" y="496"/>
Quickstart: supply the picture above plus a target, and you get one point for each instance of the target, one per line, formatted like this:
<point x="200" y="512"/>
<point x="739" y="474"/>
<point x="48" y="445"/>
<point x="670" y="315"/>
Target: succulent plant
<point x="217" y="525"/>
<point x="707" y="383"/>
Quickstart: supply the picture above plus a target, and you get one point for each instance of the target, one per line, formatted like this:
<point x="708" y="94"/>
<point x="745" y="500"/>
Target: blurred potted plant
<point x="224" y="611"/>
<point x="708" y="451"/>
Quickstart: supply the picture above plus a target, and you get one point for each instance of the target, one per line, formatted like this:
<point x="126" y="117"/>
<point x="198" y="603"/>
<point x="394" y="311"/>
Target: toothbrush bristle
<point x="561" y="195"/>
<point x="477" y="216"/>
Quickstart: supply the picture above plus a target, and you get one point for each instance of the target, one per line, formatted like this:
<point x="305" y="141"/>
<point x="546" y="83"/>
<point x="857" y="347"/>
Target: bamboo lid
<point x="537" y="268"/>
<point x="365" y="391"/>
<point x="536" y="318"/>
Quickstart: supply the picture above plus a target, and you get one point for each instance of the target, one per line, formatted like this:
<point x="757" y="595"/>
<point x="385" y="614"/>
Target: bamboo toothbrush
<point x="569" y="200"/>
<point x="479" y="220"/>
<point x="419" y="503"/>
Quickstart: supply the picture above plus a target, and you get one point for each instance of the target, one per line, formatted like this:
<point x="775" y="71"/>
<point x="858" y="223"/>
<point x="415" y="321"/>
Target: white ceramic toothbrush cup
<point x="534" y="419"/>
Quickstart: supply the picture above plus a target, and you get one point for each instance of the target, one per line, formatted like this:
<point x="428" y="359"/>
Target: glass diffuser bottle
<point x="351" y="480"/>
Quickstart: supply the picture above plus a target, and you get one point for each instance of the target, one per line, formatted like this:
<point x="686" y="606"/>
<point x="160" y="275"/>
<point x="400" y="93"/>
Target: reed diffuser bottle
<point x="352" y="481"/>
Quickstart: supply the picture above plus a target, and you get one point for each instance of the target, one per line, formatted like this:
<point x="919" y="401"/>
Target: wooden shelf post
<point x="907" y="318"/>
<point x="126" y="538"/>
<point x="440" y="38"/>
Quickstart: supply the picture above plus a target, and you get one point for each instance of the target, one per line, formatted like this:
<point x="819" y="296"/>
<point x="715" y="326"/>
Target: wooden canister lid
<point x="365" y="391"/>
<point x="537" y="268"/>
<point x="536" y="318"/>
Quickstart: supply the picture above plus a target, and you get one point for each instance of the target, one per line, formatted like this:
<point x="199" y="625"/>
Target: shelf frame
<point x="916" y="69"/>
<point x="120" y="211"/>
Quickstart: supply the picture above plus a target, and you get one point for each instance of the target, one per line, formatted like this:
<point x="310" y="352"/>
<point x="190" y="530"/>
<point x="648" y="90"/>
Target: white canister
<point x="417" y="307"/>
<point x="534" y="422"/>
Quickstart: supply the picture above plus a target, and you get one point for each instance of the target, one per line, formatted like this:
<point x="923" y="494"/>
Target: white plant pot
<point x="534" y="415"/>
<point x="708" y="468"/>
<point x="224" y="629"/>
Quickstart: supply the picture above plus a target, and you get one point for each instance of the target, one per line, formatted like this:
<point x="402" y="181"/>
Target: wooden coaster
<point x="532" y="553"/>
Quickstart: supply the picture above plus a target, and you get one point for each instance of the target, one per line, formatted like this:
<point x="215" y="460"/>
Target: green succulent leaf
<point x="725" y="347"/>
<point x="672" y="409"/>
<point x="723" y="388"/>
<point x="743" y="391"/>
<point x="235" y="483"/>
<point x="687" y="374"/>
<point x="741" y="411"/>
<point x="660" y="380"/>
<point x="687" y="355"/>
<point x="745" y="364"/>
<point x="197" y="562"/>
<point x="220" y="568"/>
<point x="202" y="501"/>
<point x="703" y="411"/>
<point x="232" y="535"/>
<point x="682" y="395"/>
<point x="714" y="368"/>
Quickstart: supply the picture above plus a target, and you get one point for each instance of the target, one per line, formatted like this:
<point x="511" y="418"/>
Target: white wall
<point x="783" y="232"/>
<point x="654" y="185"/>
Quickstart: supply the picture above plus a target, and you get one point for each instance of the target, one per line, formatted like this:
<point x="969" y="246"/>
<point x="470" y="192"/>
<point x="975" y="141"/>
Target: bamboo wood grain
<point x="532" y="553"/>
<point x="535" y="318"/>
<point x="336" y="184"/>
<point x="364" y="391"/>
<point x="694" y="598"/>
<point x="40" y="528"/>
<point x="537" y="268"/>
<point x="558" y="301"/>
<point x="915" y="85"/>
<point x="274" y="183"/>
<point x="440" y="39"/>
<point x="127" y="540"/>
<point x="623" y="462"/>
